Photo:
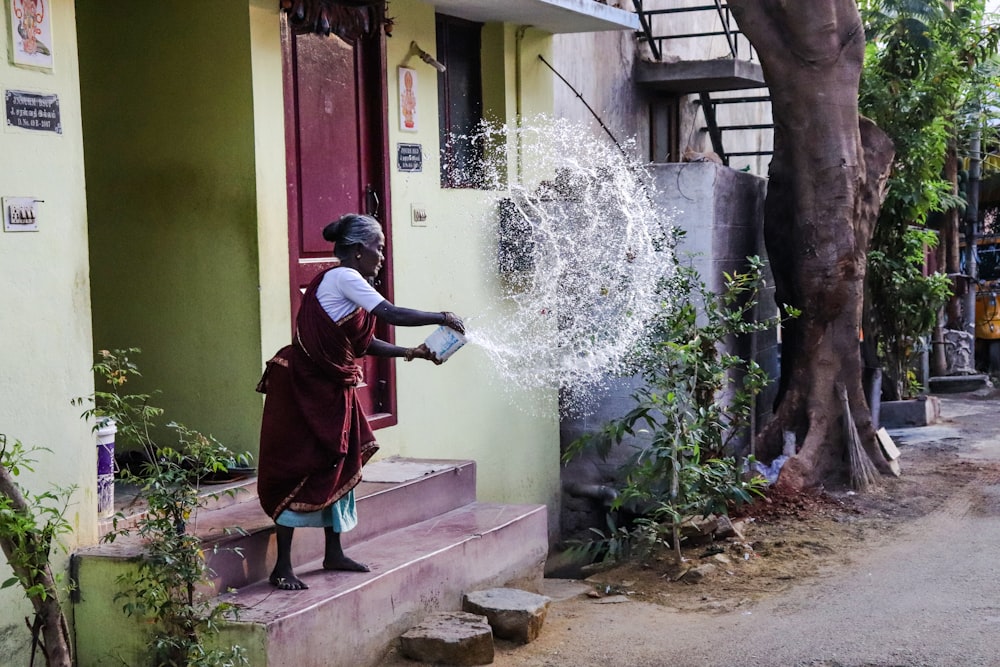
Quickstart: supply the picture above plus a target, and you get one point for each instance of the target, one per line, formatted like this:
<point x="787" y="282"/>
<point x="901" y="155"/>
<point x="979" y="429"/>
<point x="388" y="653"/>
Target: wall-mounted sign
<point x="30" y="24"/>
<point x="409" y="157"/>
<point x="33" y="111"/>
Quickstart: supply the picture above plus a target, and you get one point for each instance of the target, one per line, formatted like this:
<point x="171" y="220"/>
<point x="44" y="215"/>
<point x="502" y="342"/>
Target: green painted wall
<point x="169" y="148"/>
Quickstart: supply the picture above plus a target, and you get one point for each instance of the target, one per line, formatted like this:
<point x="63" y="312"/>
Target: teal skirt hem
<point x="342" y="516"/>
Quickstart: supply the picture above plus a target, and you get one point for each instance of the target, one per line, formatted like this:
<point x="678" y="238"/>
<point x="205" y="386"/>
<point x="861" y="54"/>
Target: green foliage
<point x="30" y="531"/>
<point x="929" y="72"/>
<point x="684" y="466"/>
<point x="165" y="586"/>
<point x="613" y="545"/>
<point x="918" y="298"/>
<point x="133" y="415"/>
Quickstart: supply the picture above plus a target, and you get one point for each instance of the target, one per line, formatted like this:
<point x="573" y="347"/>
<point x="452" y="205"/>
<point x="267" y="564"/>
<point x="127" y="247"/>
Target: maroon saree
<point x="314" y="435"/>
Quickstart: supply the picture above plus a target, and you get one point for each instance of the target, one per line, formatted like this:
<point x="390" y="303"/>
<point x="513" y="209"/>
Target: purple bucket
<point x="106" y="468"/>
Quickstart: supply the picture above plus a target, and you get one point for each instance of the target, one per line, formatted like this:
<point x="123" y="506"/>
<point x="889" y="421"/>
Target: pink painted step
<point x="239" y="558"/>
<point x="239" y="537"/>
<point x="425" y="537"/>
<point x="350" y="619"/>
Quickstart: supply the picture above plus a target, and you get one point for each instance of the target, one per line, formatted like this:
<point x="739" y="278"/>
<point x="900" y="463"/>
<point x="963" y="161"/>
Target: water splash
<point x="581" y="248"/>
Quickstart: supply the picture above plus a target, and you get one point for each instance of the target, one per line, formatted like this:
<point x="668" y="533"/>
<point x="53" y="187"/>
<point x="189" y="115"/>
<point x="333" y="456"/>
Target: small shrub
<point x="30" y="526"/>
<point x="164" y="586"/>
<point x="686" y="468"/>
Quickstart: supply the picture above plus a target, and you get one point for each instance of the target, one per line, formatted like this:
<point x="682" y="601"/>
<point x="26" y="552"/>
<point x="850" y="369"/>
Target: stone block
<point x="911" y="412"/>
<point x="450" y="638"/>
<point x="512" y="613"/>
<point x="957" y="384"/>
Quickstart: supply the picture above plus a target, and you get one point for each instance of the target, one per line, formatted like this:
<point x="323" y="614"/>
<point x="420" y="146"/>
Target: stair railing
<point x="726" y="28"/>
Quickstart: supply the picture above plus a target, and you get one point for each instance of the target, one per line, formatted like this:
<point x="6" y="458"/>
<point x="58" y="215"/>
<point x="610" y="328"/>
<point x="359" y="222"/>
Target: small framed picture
<point x="407" y="99"/>
<point x="30" y="24"/>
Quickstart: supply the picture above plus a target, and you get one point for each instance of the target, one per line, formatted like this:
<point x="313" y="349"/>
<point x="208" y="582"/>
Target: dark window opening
<point x="664" y="134"/>
<point x="460" y="100"/>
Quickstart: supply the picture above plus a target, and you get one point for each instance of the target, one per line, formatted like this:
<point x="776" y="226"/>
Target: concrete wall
<point x="721" y="212"/>
<point x="269" y="164"/>
<point x="45" y="305"/>
<point x="604" y="82"/>
<point x="170" y="162"/>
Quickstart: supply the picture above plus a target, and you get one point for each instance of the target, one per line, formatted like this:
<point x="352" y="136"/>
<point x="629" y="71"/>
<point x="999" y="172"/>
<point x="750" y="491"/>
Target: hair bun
<point x="333" y="231"/>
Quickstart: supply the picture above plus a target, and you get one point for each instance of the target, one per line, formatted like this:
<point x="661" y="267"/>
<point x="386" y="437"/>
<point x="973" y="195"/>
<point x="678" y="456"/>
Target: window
<point x="664" y="132"/>
<point x="460" y="100"/>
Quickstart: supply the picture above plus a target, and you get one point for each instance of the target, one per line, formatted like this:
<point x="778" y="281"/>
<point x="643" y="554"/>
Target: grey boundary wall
<point x="722" y="211"/>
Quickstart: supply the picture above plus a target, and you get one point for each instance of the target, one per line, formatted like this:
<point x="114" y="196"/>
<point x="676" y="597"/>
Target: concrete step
<point x="239" y="538"/>
<point x="421" y="531"/>
<point x="396" y="493"/>
<point x="351" y="619"/>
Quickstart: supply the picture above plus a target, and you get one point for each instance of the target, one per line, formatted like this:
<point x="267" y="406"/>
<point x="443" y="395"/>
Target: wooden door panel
<point x="332" y="167"/>
<point x="337" y="163"/>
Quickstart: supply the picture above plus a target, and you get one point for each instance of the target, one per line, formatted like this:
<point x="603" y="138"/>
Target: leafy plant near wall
<point x="687" y="467"/>
<point x="917" y="300"/>
<point x="164" y="587"/>
<point x="30" y="525"/>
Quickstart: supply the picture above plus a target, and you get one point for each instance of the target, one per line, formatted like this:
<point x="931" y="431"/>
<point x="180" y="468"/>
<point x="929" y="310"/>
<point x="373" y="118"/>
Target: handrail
<point x="730" y="39"/>
<point x="726" y="29"/>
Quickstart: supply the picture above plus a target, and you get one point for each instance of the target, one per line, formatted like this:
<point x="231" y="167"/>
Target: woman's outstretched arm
<point x="380" y="348"/>
<point x="408" y="317"/>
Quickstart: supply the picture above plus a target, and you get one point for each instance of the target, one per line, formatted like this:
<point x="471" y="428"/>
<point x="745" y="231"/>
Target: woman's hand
<point x="453" y="321"/>
<point x="422" y="352"/>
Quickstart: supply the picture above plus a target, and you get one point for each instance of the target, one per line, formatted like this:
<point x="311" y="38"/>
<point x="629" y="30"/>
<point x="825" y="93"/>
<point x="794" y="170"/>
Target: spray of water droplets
<point x="581" y="249"/>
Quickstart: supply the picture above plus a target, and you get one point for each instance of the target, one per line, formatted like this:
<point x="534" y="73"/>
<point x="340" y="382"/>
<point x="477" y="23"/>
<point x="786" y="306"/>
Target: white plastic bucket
<point x="444" y="342"/>
<point x="106" y="431"/>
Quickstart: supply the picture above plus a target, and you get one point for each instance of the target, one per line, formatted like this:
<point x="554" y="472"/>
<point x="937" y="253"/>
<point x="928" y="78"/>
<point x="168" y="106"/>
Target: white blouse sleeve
<point x="359" y="291"/>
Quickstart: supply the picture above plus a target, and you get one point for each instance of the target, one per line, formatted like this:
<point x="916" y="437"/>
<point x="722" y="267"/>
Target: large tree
<point x="826" y="183"/>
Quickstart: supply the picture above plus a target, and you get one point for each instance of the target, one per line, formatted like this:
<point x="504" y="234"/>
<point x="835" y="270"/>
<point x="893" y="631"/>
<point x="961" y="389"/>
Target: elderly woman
<point x="314" y="434"/>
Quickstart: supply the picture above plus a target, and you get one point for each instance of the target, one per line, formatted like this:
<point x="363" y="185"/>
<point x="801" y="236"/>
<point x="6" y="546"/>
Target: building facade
<point x="176" y="195"/>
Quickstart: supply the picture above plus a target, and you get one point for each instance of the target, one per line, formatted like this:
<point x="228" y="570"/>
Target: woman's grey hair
<point x="352" y="229"/>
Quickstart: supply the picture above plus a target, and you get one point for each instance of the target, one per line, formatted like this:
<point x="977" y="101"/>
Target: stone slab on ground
<point x="450" y="638"/>
<point x="564" y="589"/>
<point x="512" y="613"/>
<point x="919" y="411"/>
<point x="957" y="384"/>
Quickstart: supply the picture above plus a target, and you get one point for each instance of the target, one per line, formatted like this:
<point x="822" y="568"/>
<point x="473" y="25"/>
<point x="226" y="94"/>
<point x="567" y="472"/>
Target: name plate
<point x="33" y="111"/>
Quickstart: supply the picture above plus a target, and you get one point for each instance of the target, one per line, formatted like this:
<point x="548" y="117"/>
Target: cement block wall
<point x="721" y="211"/>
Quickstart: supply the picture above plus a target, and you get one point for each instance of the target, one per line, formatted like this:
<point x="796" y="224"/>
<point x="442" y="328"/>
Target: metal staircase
<point x="724" y="80"/>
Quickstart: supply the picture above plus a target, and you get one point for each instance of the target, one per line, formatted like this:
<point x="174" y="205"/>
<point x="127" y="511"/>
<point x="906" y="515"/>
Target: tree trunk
<point x="827" y="180"/>
<point x="36" y="547"/>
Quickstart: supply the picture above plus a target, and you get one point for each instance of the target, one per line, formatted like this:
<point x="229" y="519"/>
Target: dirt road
<point x="906" y="577"/>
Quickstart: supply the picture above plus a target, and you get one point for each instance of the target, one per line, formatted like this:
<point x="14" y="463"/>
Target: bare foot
<point x="345" y="564"/>
<point x="286" y="581"/>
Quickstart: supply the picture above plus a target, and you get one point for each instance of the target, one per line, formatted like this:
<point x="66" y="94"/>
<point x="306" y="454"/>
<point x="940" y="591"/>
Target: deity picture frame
<point x="30" y="31"/>
<point x="408" y="121"/>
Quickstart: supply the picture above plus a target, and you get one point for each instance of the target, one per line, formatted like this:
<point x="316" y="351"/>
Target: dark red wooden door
<point x="337" y="160"/>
